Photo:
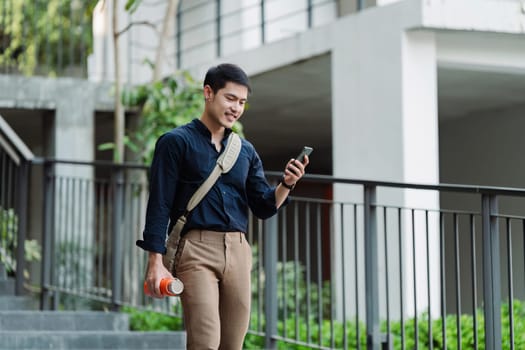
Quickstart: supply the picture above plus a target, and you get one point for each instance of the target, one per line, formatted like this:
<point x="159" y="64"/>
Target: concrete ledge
<point x="63" y="321"/>
<point x="17" y="303"/>
<point x="92" y="340"/>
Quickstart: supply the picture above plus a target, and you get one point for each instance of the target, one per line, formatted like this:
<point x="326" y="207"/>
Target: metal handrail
<point x="21" y="157"/>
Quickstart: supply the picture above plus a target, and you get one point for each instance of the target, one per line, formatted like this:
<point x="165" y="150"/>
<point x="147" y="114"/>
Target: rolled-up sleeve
<point x="163" y="182"/>
<point x="261" y="196"/>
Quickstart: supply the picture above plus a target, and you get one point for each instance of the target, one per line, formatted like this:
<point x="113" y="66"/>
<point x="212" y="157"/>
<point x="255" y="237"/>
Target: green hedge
<point x="152" y="321"/>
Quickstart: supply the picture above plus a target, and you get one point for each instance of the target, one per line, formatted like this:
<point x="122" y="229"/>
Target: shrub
<point x="9" y="241"/>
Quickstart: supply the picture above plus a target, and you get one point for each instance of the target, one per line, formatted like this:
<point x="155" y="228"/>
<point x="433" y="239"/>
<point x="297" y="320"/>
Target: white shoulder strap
<point x="224" y="164"/>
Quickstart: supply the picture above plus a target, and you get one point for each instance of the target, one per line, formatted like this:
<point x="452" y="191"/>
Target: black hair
<point x="218" y="76"/>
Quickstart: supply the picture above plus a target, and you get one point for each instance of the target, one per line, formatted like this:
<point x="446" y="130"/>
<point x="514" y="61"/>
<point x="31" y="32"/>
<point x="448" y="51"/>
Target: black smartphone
<point x="305" y="152"/>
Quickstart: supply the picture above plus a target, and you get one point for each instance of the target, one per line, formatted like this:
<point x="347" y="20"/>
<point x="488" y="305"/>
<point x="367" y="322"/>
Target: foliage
<point x="45" y="35"/>
<point x="147" y="320"/>
<point x="132" y="5"/>
<point x="162" y="105"/>
<point x="467" y="332"/>
<point x="307" y="329"/>
<point x="9" y="240"/>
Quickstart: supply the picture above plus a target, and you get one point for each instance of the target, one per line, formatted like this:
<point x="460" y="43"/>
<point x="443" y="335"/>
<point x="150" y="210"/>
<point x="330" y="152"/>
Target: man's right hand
<point x="154" y="273"/>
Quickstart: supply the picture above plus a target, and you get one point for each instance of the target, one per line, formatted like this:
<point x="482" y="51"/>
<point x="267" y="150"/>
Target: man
<point x="213" y="257"/>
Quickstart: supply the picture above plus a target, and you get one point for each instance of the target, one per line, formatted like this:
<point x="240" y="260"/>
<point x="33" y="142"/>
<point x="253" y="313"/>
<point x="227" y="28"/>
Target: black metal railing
<point x="208" y="29"/>
<point x="55" y="37"/>
<point x="15" y="160"/>
<point x="395" y="265"/>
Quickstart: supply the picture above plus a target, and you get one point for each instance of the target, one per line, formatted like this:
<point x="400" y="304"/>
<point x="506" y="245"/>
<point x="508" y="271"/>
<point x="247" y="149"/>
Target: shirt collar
<point x="199" y="125"/>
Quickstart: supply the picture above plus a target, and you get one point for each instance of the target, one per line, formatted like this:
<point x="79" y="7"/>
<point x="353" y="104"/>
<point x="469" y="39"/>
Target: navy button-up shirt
<point x="183" y="159"/>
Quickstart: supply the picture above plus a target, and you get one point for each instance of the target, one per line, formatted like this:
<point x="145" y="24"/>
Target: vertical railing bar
<point x="178" y="36"/>
<point x="474" y="280"/>
<point x="458" y="278"/>
<point x="72" y="35"/>
<point x="270" y="261"/>
<point x="57" y="233"/>
<point x="308" y="272"/>
<point x="90" y="209"/>
<point x="297" y="315"/>
<point x="523" y="237"/>
<point x="442" y="277"/>
<point x="136" y="266"/>
<point x="343" y="277"/>
<point x="60" y="48"/>
<point x="63" y="243"/>
<point x="48" y="42"/>
<point x="431" y="345"/>
<point x="309" y="13"/>
<point x="98" y="236"/>
<point x="78" y="238"/>
<point x="116" y="272"/>
<point x="83" y="58"/>
<point x="357" y="284"/>
<point x="284" y="240"/>
<point x="491" y="271"/>
<point x="25" y="30"/>
<point x="263" y="23"/>
<point x="332" y="285"/>
<point x="414" y="277"/>
<point x="319" y="274"/>
<point x="387" y="274"/>
<point x="510" y="282"/>
<point x="218" y="28"/>
<point x="401" y="277"/>
<point x="83" y="234"/>
<point x="74" y="245"/>
<point x="107" y="234"/>
<point x="21" y="204"/>
<point x="371" y="269"/>
<point x="11" y="176"/>
<point x="35" y="30"/>
<point x="4" y="37"/>
<point x="128" y="221"/>
<point x="47" y="231"/>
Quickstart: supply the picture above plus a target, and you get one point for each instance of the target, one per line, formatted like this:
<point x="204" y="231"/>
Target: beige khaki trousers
<point x="215" y="269"/>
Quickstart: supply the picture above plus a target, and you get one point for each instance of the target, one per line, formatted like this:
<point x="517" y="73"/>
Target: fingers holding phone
<point x="296" y="167"/>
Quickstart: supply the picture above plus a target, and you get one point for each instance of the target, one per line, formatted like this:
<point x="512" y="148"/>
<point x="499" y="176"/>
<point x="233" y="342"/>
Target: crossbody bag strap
<point x="224" y="164"/>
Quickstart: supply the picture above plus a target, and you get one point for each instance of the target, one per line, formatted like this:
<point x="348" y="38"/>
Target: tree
<point x="119" y="123"/>
<point x="45" y="36"/>
<point x="163" y="103"/>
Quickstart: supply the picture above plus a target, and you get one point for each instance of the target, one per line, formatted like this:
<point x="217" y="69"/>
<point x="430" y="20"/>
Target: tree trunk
<point x="118" y="151"/>
<point x="171" y="12"/>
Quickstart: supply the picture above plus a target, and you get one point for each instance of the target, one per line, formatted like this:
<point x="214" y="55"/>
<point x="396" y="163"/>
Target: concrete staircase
<point x="22" y="326"/>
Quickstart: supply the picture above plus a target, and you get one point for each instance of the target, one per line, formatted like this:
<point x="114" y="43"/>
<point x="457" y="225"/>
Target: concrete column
<point x="75" y="189"/>
<point x="385" y="127"/>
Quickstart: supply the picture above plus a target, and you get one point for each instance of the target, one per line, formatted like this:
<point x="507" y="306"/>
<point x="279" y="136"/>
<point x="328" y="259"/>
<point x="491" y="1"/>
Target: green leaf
<point x="106" y="146"/>
<point x="132" y="5"/>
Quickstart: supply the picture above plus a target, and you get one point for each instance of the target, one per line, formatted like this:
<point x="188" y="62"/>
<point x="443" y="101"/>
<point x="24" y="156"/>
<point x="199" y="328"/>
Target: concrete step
<point x="70" y="340"/>
<point x="63" y="321"/>
<point x="11" y="302"/>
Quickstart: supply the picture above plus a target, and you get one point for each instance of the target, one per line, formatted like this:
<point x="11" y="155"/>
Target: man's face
<point x="227" y="105"/>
